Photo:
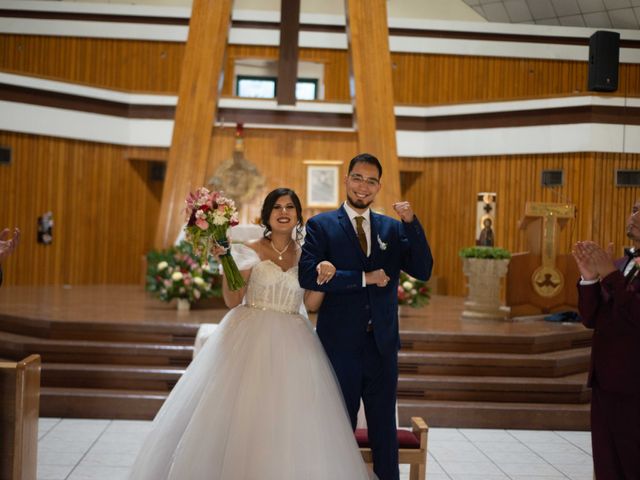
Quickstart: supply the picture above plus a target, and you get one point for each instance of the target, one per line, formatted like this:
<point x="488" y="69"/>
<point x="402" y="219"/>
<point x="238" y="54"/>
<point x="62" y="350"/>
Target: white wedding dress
<point x="259" y="402"/>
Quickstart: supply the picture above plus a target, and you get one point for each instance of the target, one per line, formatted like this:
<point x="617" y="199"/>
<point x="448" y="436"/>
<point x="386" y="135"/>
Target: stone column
<point x="484" y="276"/>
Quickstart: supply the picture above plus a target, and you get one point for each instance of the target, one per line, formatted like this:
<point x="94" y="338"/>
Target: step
<point x="117" y="331"/>
<point x="80" y="351"/>
<point x="529" y="416"/>
<point x="548" y="364"/>
<point x="533" y="342"/>
<point x="100" y="403"/>
<point x="569" y="389"/>
<point x="111" y="376"/>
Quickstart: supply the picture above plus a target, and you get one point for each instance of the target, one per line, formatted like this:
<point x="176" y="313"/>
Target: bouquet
<point x="209" y="216"/>
<point x="177" y="273"/>
<point x="412" y="292"/>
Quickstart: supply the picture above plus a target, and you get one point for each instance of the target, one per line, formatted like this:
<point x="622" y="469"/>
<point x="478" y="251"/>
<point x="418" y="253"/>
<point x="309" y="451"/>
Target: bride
<point x="260" y="401"/>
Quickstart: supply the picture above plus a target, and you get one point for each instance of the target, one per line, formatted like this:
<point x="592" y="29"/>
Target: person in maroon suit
<point x="8" y="244"/>
<point x="609" y="303"/>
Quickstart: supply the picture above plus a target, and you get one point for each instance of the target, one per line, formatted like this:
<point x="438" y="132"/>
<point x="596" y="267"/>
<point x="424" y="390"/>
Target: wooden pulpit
<point x="540" y="280"/>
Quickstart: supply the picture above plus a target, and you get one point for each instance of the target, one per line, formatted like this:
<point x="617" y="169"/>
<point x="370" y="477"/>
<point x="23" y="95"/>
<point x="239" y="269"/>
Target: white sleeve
<point x="245" y="257"/>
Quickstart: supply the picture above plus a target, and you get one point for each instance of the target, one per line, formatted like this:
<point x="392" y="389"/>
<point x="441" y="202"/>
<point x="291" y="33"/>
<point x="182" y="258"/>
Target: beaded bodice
<point x="271" y="288"/>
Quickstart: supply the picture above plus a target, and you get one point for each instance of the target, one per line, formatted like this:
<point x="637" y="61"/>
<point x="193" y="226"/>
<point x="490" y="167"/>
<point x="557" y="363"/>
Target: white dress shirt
<point x="630" y="264"/>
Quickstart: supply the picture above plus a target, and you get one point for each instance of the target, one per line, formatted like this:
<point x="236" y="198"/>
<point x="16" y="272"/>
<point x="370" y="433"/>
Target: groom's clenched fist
<point x="377" y="277"/>
<point x="404" y="210"/>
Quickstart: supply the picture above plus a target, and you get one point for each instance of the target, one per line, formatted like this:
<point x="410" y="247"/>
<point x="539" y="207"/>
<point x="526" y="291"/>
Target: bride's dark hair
<point x="267" y="207"/>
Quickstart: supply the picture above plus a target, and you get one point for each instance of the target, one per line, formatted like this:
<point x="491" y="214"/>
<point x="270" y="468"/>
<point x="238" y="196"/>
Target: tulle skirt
<point x="259" y="402"/>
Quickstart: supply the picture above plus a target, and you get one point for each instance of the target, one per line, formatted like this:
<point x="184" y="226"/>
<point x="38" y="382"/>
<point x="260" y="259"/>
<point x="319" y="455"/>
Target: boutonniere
<point x="381" y="244"/>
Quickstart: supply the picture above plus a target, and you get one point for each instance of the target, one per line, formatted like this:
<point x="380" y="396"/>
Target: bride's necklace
<point x="280" y="252"/>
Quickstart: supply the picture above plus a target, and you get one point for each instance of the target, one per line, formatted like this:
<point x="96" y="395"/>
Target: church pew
<point x="19" y="412"/>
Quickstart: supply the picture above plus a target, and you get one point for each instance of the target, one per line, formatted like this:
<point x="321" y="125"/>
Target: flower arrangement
<point x="412" y="292"/>
<point x="209" y="216"/>
<point x="177" y="273"/>
<point x="495" y="253"/>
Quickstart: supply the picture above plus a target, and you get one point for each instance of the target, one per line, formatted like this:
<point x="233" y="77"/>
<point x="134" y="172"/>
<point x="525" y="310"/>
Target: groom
<point x="358" y="320"/>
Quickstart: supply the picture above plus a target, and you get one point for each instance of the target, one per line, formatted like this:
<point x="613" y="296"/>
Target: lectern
<point x="541" y="281"/>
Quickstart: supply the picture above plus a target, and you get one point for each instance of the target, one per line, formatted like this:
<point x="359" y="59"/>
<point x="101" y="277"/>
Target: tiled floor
<point x="105" y="449"/>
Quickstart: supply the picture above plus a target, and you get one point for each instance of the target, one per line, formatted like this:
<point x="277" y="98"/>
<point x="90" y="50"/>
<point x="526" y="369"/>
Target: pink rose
<point x="202" y="223"/>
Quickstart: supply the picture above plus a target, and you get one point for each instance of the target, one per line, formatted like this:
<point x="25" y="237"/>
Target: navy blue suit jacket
<point x="348" y="306"/>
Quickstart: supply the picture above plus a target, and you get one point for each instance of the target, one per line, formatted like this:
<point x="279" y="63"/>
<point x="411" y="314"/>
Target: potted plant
<point x="484" y="267"/>
<point x="412" y="293"/>
<point x="177" y="273"/>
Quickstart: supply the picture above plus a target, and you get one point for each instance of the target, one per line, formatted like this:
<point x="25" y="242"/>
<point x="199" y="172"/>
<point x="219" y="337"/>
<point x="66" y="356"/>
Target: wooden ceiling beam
<point x="195" y="113"/>
<point x="288" y="57"/>
<point x="374" y="116"/>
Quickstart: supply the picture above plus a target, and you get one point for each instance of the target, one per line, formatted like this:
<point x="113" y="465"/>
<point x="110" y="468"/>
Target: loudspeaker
<point x="5" y="155"/>
<point x="604" y="56"/>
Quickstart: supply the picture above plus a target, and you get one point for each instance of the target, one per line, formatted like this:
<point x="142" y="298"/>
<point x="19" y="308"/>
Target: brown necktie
<point x="362" y="238"/>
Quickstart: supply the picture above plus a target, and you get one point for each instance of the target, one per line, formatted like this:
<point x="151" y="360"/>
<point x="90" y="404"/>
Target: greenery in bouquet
<point x="209" y="216"/>
<point x="177" y="273"/>
<point x="495" y="253"/>
<point x="412" y="292"/>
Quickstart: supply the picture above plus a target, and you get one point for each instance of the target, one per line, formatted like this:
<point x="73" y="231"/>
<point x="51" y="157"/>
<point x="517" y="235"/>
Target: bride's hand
<point x="217" y="251"/>
<point x="326" y="271"/>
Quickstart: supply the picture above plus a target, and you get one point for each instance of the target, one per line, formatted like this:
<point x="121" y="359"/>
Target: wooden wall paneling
<point x="195" y="113"/>
<point x="444" y="198"/>
<point x="279" y="156"/>
<point x="431" y="79"/>
<point x="629" y="79"/>
<point x="104" y="207"/>
<point x="130" y="65"/>
<point x="610" y="227"/>
<point x="418" y="79"/>
<point x="151" y="154"/>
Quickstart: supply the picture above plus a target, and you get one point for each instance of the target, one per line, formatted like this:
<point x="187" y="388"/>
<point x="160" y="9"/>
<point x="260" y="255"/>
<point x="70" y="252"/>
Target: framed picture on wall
<point x="323" y="183"/>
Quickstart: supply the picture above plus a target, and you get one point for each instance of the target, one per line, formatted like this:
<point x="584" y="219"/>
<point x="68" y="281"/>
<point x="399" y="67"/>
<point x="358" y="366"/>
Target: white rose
<point x="175" y="276"/>
<point x="198" y="281"/>
<point x="162" y="265"/>
<point x="407" y="286"/>
<point x="219" y="219"/>
<point x="414" y="291"/>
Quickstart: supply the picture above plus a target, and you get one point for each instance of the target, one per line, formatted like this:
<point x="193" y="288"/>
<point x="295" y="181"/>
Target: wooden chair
<point x="412" y="447"/>
<point x="19" y="412"/>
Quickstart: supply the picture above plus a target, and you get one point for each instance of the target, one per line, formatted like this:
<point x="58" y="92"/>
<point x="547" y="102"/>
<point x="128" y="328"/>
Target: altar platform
<point x="115" y="352"/>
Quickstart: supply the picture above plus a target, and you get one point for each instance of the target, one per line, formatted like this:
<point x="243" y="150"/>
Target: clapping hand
<point x="8" y="242"/>
<point x="404" y="210"/>
<point x="592" y="260"/>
